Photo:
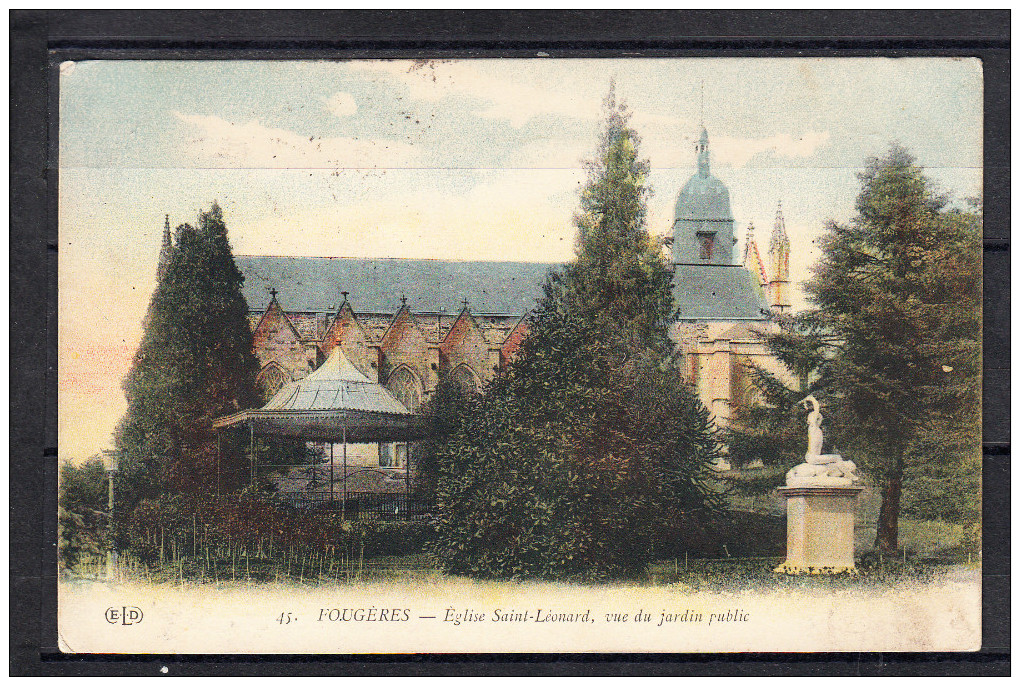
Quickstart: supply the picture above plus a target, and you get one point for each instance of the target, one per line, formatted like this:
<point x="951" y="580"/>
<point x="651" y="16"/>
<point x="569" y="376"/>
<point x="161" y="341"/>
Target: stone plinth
<point x="819" y="529"/>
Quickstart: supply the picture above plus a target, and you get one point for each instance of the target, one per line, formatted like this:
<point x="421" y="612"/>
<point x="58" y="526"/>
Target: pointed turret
<point x="166" y="250"/>
<point x="753" y="261"/>
<point x="779" y="265"/>
<point x="701" y="148"/>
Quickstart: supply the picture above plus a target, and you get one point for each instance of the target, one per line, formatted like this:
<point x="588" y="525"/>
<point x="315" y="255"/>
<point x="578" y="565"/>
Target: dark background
<point x="41" y="39"/>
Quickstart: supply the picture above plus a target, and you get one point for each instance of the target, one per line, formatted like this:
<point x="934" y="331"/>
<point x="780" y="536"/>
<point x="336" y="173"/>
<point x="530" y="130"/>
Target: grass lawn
<point x="929" y="549"/>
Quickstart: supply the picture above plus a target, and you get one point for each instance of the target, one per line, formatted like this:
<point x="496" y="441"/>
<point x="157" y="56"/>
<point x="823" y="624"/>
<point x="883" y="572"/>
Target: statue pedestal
<point x="819" y="530"/>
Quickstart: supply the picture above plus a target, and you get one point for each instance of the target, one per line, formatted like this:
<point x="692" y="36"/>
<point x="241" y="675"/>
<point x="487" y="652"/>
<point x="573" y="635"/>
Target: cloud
<point x="552" y="153"/>
<point x="342" y="104"/>
<point x="504" y="98"/>
<point x="216" y="142"/>
<point x="510" y="218"/>
<point x="677" y="150"/>
<point x="739" y="151"/>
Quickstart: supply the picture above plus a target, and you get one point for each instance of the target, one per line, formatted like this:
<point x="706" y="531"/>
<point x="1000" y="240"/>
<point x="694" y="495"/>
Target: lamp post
<point x="111" y="466"/>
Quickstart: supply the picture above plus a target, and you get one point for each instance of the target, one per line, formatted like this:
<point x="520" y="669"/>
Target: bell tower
<point x="702" y="219"/>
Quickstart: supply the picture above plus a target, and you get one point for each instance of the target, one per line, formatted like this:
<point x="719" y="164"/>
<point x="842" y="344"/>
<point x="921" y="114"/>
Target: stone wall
<point x="466" y="349"/>
<point x="278" y="342"/>
<point x="405" y="345"/>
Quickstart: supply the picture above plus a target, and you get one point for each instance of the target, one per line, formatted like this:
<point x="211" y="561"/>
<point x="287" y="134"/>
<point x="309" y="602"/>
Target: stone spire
<point x="753" y="262"/>
<point x="779" y="265"/>
<point x="165" y="250"/>
<point x="779" y="237"/>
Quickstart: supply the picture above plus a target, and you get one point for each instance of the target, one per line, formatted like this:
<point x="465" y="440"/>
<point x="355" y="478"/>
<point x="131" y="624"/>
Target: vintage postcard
<point x="520" y="355"/>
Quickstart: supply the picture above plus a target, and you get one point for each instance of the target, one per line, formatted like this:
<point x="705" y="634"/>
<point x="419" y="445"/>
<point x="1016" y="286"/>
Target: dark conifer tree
<point x="770" y="426"/>
<point x="195" y="362"/>
<point x="589" y="440"/>
<point x="83" y="512"/>
<point x="899" y="291"/>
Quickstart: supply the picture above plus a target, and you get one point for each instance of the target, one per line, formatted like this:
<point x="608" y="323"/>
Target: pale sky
<point x="468" y="160"/>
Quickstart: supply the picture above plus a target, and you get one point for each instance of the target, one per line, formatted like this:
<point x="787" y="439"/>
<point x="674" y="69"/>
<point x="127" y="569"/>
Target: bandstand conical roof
<point x="337" y="384"/>
<point x="334" y="402"/>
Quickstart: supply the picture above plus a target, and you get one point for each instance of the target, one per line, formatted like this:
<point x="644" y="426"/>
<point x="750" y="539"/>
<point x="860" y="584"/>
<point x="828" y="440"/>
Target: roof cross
<point x="464" y="303"/>
<point x="273" y="292"/>
<point x="403" y="300"/>
<point x="344" y="294"/>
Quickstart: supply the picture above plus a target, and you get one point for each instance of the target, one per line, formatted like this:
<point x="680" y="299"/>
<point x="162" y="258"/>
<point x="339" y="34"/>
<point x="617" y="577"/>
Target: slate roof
<point x="714" y="292"/>
<point x="508" y="288"/>
<point x="376" y="285"/>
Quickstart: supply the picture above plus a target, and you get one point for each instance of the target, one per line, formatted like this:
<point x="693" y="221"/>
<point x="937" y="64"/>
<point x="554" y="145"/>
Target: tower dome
<point x="702" y="219"/>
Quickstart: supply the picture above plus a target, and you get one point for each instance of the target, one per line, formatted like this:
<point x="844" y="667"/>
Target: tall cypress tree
<point x="195" y="362"/>
<point x="589" y="440"/>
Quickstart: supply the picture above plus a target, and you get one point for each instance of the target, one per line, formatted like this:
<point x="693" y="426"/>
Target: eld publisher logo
<point x="125" y="615"/>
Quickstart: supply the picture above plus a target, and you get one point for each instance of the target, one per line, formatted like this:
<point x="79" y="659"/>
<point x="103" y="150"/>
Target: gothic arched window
<point x="270" y="380"/>
<point x="466" y="379"/>
<point x="406" y="387"/>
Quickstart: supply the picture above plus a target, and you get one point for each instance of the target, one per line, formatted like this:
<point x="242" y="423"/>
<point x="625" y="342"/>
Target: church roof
<point x="715" y="292"/>
<point x="376" y="285"/>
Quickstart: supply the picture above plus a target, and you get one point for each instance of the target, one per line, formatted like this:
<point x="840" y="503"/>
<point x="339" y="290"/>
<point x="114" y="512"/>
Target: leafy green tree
<point x="82" y="519"/>
<point x="899" y="290"/>
<point x="589" y="439"/>
<point x="195" y="362"/>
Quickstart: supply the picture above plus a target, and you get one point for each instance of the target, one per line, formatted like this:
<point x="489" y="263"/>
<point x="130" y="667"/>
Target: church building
<point x="722" y="306"/>
<point x="407" y="323"/>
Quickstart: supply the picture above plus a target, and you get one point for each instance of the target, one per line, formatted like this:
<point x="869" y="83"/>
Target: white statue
<point x="820" y="470"/>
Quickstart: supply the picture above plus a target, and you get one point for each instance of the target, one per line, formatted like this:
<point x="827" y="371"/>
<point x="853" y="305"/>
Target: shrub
<point x="82" y="518"/>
